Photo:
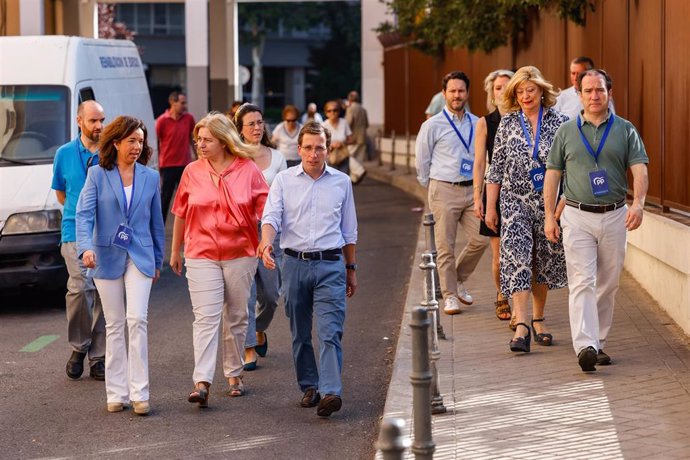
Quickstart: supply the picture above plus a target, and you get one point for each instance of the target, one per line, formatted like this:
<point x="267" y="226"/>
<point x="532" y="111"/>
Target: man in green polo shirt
<point x="594" y="151"/>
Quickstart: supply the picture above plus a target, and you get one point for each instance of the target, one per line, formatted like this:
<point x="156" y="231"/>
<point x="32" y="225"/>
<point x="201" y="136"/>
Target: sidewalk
<point x="541" y="405"/>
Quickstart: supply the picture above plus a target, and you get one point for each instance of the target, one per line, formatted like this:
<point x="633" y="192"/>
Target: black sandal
<point x="200" y="394"/>
<point x="544" y="338"/>
<point x="502" y="308"/>
<point x="521" y="344"/>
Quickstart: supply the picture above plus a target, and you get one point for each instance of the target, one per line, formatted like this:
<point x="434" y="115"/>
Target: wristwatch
<point x="351" y="266"/>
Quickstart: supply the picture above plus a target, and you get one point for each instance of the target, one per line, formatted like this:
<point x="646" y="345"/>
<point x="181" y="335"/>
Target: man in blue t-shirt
<point x="85" y="321"/>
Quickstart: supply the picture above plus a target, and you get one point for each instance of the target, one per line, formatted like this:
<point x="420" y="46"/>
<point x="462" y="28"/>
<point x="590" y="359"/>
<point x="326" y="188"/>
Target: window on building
<point x="152" y="18"/>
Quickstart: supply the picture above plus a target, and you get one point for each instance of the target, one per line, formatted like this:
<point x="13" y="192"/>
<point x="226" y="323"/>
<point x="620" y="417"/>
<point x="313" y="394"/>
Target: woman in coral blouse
<point x="218" y="204"/>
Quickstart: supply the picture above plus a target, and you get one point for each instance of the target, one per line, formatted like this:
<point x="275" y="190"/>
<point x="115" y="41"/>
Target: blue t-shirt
<point x="69" y="176"/>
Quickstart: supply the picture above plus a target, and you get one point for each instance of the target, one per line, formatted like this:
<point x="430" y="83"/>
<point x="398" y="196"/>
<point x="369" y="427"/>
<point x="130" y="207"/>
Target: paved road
<point x="44" y="414"/>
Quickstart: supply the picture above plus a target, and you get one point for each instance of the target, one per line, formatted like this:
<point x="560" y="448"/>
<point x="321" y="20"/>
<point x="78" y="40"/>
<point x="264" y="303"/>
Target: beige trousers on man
<point x="594" y="254"/>
<point x="453" y="205"/>
<point x="219" y="289"/>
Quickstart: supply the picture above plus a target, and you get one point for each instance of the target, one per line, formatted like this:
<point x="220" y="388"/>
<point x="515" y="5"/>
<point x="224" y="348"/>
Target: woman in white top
<point x="249" y="120"/>
<point x="341" y="135"/>
<point x="285" y="135"/>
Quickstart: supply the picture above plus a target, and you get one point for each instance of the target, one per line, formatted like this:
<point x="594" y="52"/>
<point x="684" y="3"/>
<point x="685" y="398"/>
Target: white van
<point x="42" y="81"/>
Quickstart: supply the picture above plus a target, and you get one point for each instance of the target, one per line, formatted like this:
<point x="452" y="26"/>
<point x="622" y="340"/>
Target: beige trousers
<point x="219" y="289"/>
<point x="594" y="254"/>
<point x="453" y="205"/>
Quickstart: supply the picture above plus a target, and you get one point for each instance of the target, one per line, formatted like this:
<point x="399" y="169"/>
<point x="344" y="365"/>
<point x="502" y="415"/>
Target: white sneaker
<point x="463" y="295"/>
<point x="452" y="306"/>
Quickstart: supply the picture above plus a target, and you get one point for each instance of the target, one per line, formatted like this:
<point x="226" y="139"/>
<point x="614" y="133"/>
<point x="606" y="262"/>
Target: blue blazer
<point x="101" y="210"/>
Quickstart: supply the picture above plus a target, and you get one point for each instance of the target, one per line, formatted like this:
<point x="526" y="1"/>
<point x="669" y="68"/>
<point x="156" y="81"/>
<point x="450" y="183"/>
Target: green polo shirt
<point x="623" y="149"/>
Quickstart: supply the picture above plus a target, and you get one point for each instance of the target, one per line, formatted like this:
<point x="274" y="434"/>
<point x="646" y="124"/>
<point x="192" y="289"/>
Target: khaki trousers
<point x="453" y="205"/>
<point x="594" y="254"/>
<point x="219" y="289"/>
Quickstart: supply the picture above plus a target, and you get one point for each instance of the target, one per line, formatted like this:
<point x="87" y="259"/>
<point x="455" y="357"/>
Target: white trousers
<point x="126" y="299"/>
<point x="594" y="253"/>
<point x="219" y="289"/>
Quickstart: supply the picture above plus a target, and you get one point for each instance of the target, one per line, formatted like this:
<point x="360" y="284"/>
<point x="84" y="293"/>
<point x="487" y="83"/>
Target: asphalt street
<point x="43" y="414"/>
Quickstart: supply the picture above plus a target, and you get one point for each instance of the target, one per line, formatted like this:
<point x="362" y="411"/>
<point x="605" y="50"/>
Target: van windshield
<point x="33" y="122"/>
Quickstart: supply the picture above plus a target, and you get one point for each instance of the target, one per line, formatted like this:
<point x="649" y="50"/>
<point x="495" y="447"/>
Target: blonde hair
<point x="225" y="131"/>
<point x="509" y="101"/>
<point x="489" y="86"/>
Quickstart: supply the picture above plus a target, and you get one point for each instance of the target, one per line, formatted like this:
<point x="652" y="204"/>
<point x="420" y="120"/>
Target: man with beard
<point x="444" y="161"/>
<point x="85" y="321"/>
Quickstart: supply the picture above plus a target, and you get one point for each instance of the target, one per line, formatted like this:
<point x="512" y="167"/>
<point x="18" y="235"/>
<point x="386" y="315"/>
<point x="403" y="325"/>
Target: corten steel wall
<point x="643" y="44"/>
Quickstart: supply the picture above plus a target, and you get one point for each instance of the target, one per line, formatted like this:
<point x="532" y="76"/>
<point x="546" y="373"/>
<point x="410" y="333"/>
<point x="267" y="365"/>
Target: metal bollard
<point x="407" y="153"/>
<point x="431" y="305"/>
<point x="392" y="442"/>
<point x="392" y="150"/>
<point x="423" y="445"/>
<point x="430" y="239"/>
<point x="379" y="136"/>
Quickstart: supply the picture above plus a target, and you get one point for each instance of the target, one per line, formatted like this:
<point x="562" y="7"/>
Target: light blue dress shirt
<point x="439" y="151"/>
<point x="313" y="215"/>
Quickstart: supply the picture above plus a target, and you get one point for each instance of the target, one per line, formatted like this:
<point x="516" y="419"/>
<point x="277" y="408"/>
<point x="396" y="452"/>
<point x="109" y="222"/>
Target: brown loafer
<point x="328" y="405"/>
<point x="311" y="398"/>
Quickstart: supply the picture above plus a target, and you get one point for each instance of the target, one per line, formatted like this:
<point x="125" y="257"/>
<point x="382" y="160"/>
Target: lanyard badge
<point x="125" y="233"/>
<point x="536" y="174"/>
<point x="466" y="164"/>
<point x="598" y="179"/>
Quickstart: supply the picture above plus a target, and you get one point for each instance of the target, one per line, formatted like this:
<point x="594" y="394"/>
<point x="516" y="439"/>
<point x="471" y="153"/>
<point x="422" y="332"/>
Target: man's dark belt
<point x="465" y="183"/>
<point x="331" y="254"/>
<point x="598" y="208"/>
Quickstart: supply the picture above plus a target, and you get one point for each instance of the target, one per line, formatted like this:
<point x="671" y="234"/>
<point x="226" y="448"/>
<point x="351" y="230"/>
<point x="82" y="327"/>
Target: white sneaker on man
<point x="463" y="295"/>
<point x="452" y="306"/>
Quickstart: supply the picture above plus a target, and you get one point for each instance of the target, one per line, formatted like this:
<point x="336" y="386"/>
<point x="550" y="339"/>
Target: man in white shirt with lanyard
<point x="444" y="161"/>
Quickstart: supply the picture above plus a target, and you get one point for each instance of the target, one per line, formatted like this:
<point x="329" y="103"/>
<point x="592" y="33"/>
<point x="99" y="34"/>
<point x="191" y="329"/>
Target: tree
<point x="108" y="27"/>
<point x="259" y="19"/>
<point x="433" y="25"/>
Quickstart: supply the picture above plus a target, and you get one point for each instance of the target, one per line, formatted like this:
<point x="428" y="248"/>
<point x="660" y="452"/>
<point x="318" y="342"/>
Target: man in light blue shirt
<point x="85" y="321"/>
<point x="312" y="205"/>
<point x="444" y="161"/>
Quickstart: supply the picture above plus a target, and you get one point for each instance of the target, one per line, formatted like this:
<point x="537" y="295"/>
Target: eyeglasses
<point x="258" y="124"/>
<point x="310" y="148"/>
<point x="290" y="121"/>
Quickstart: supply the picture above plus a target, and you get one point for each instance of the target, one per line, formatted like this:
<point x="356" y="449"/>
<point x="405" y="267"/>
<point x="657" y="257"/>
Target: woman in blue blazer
<point x="120" y="236"/>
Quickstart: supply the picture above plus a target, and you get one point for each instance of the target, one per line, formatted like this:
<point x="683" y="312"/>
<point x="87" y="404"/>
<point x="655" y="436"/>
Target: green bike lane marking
<point x="39" y="343"/>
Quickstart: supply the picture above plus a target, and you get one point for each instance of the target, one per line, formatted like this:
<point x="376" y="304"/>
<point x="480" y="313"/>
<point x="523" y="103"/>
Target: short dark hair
<point x="251" y="108"/>
<point x="314" y="127"/>
<point x="456" y="75"/>
<point x="117" y="130"/>
<point x="588" y="62"/>
<point x="174" y="96"/>
<point x="594" y="72"/>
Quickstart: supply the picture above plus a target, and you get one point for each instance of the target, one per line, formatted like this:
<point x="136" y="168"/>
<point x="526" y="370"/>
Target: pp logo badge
<point x="599" y="180"/>
<point x="123" y="236"/>
<point x="539" y="177"/>
<point x="466" y="167"/>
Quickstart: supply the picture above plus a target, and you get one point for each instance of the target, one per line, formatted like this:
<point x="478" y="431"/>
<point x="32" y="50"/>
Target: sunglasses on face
<point x="332" y="110"/>
<point x="290" y="121"/>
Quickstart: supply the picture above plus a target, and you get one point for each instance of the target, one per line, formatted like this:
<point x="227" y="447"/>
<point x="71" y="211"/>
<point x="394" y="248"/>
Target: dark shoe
<point x="603" y="359"/>
<point x="360" y="178"/>
<point x="311" y="398"/>
<point x="200" y="394"/>
<point x="262" y="349"/>
<point x="587" y="359"/>
<point x="544" y="338"/>
<point x="75" y="365"/>
<point x="250" y="366"/>
<point x="98" y="371"/>
<point x="328" y="405"/>
<point x="521" y="344"/>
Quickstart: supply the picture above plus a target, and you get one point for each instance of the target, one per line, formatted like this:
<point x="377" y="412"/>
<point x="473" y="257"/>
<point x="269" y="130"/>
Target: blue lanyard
<point x="603" y="139"/>
<point x="89" y="161"/>
<point x="535" y="148"/>
<point x="457" y="131"/>
<point x="128" y="206"/>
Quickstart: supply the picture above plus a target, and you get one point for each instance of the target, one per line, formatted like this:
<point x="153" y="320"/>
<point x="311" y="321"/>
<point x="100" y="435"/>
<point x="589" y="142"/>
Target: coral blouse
<point x="221" y="221"/>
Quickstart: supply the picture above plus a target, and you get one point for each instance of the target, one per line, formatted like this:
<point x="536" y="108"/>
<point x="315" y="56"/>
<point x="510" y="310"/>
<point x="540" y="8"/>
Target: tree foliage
<point x="108" y="27"/>
<point x="434" y="25"/>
